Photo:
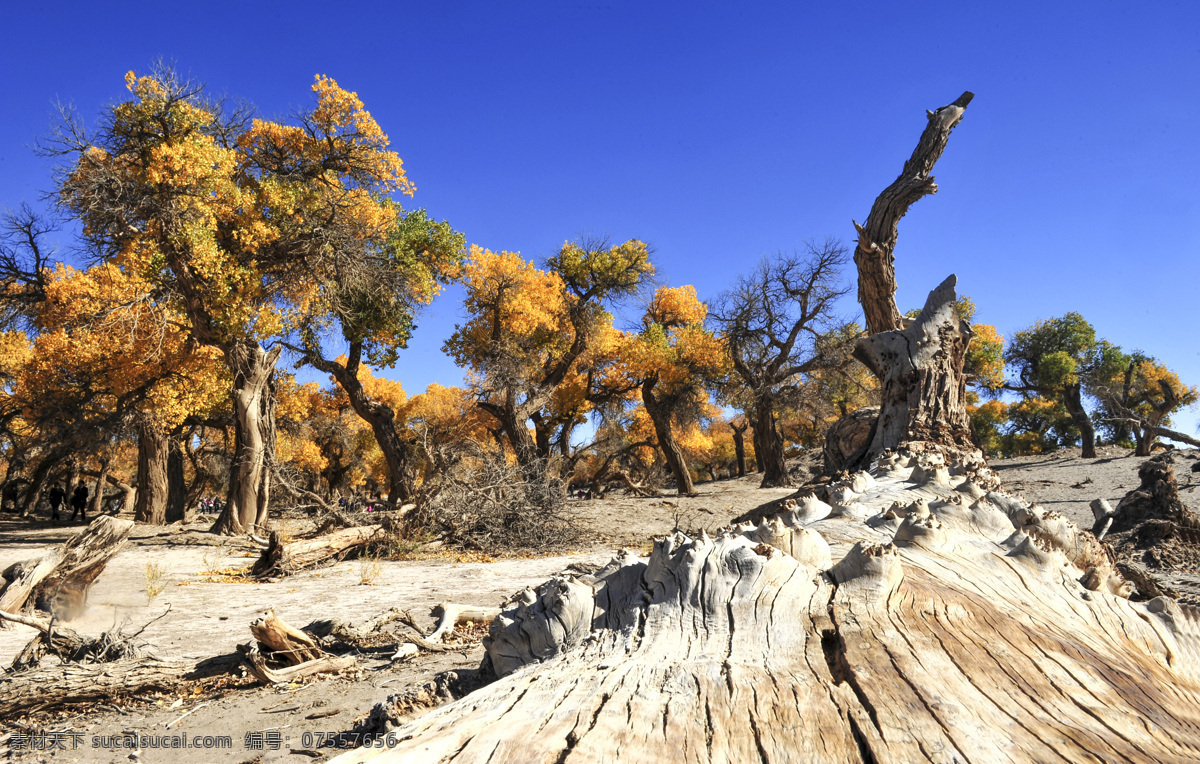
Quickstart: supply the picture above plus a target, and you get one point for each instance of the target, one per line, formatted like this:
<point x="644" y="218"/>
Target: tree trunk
<point x="758" y="449"/>
<point x="1074" y="405"/>
<point x="660" y="415"/>
<point x="920" y="369"/>
<point x="73" y="478"/>
<point x="739" y="447"/>
<point x="128" y="492"/>
<point x="543" y="429"/>
<point x="874" y="254"/>
<point x="381" y="418"/>
<point x="770" y="443"/>
<point x="811" y="638"/>
<point x="40" y="477"/>
<point x="153" y="445"/>
<point x="97" y="499"/>
<point x="177" y="507"/>
<point x="514" y="422"/>
<point x="254" y="439"/>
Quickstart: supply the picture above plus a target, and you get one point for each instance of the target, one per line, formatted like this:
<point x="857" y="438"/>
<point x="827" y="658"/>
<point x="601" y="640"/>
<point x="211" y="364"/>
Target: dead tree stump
<point x="59" y="581"/>
<point x="950" y="622"/>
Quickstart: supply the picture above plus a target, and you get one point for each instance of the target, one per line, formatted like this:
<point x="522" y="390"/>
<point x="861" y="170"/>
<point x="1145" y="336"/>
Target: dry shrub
<point x="483" y="501"/>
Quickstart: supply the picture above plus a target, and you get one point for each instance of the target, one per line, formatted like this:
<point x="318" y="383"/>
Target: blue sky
<point x="720" y="133"/>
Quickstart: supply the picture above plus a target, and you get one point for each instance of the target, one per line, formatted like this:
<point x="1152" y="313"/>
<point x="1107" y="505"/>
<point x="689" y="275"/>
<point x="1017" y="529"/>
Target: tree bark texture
<point x="923" y="616"/>
<point x="53" y="687"/>
<point x="1073" y="402"/>
<point x="920" y="369"/>
<point x="59" y="581"/>
<point x="153" y="484"/>
<point x="660" y="416"/>
<point x="254" y="439"/>
<point x="874" y="254"/>
<point x="769" y="447"/>
<point x="739" y="447"/>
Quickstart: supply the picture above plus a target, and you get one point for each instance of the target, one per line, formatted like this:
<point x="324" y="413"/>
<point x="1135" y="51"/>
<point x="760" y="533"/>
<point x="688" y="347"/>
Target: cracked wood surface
<point x="948" y="622"/>
<point x="920" y="369"/>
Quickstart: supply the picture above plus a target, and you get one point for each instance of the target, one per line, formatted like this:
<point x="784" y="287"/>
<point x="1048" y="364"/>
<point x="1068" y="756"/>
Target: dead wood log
<point x="938" y="630"/>
<point x="284" y="640"/>
<point x="282" y="559"/>
<point x="59" y="581"/>
<point x="326" y="664"/>
<point x="72" y="647"/>
<point x="450" y="614"/>
<point x="55" y="687"/>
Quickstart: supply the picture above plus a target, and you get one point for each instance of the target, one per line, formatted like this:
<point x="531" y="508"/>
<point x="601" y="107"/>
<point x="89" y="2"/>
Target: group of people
<point x="79" y="501"/>
<point x="358" y="503"/>
<point x="211" y="505"/>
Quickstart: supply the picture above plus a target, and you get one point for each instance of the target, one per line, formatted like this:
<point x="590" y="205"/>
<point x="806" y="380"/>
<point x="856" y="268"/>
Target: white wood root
<point x="956" y="623"/>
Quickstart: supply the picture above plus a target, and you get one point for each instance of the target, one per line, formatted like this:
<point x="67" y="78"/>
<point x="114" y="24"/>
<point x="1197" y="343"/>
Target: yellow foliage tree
<point x="531" y="329"/>
<point x="108" y="354"/>
<point x="674" y="360"/>
<point x="240" y="223"/>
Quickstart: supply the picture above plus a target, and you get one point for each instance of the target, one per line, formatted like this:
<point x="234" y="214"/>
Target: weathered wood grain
<point x="956" y="623"/>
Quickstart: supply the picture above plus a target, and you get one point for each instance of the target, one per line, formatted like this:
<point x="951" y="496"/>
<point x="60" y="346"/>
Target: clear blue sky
<point x="720" y="133"/>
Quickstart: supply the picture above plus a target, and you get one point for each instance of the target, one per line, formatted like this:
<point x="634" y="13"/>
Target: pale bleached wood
<point x="451" y="614"/>
<point x="957" y="623"/>
<point x="286" y="641"/>
<point x="61" y="578"/>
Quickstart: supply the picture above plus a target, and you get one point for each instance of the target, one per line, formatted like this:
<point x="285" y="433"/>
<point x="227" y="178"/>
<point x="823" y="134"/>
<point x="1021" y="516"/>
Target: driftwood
<point x="919" y="615"/>
<point x="327" y="664"/>
<point x="282" y="559"/>
<point x="299" y="650"/>
<point x="50" y="688"/>
<point x="285" y="641"/>
<point x="59" y="581"/>
<point x="450" y="614"/>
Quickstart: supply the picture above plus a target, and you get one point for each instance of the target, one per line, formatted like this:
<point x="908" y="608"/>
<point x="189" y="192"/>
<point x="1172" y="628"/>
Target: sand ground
<point x="208" y="615"/>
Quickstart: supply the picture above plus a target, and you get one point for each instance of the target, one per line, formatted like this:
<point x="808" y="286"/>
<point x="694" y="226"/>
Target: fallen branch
<point x="71" y="646"/>
<point x="44" y="689"/>
<point x="450" y="614"/>
<point x="325" y="665"/>
<point x="283" y="559"/>
<point x="282" y="639"/>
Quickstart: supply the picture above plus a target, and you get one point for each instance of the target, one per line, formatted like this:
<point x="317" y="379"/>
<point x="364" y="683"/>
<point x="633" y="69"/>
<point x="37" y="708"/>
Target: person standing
<point x="79" y="502"/>
<point x="55" y="497"/>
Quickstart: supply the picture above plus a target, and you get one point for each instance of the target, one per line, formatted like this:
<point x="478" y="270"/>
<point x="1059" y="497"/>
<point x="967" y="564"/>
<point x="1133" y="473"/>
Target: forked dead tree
<point x="920" y="614"/>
